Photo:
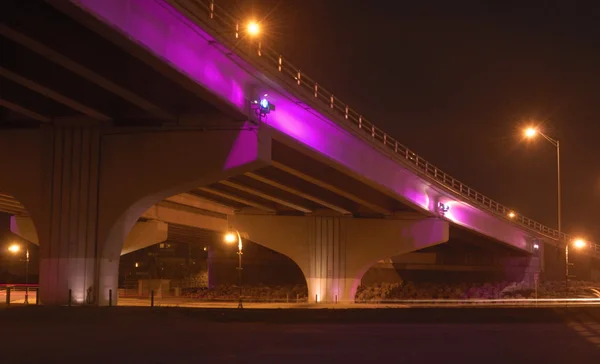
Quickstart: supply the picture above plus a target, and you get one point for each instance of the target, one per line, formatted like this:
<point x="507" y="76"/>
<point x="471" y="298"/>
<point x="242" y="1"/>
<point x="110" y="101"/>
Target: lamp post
<point x="15" y="249"/>
<point x="530" y="133"/>
<point x="230" y="238"/>
<point x="578" y="244"/>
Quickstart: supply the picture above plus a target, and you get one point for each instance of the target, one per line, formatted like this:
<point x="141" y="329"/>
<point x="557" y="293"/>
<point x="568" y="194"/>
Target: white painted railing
<point x="229" y="30"/>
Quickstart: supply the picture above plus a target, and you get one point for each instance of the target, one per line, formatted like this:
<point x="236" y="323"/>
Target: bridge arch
<point x="184" y="160"/>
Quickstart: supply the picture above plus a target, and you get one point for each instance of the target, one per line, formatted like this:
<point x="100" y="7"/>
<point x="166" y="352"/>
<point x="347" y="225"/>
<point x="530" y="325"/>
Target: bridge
<point x="123" y="117"/>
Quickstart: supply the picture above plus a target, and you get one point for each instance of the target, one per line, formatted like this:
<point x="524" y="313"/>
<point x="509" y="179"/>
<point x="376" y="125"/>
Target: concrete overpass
<point x="112" y="106"/>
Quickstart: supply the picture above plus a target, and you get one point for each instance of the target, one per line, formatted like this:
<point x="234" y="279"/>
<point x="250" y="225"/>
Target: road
<point x="142" y="335"/>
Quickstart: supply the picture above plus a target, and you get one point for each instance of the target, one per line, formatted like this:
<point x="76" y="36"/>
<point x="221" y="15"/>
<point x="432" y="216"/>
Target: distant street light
<point x="230" y="238"/>
<point x="15" y="249"/>
<point x="253" y="29"/>
<point x="531" y="133"/>
<point x="578" y="244"/>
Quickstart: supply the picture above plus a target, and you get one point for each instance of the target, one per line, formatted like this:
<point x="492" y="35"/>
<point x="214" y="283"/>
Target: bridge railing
<point x="231" y="31"/>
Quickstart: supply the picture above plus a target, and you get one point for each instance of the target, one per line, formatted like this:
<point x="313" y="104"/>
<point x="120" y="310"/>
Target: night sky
<point x="458" y="82"/>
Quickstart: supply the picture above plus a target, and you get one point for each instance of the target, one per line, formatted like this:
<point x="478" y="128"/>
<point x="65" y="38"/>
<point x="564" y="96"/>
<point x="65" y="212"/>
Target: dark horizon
<point x="458" y="83"/>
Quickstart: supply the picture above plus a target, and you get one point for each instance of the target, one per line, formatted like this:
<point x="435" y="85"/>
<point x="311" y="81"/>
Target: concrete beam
<point x="84" y="72"/>
<point x="24" y="111"/>
<point x="298" y="193"/>
<point x="265" y="196"/>
<point x="182" y="215"/>
<point x="331" y="188"/>
<point x="143" y="233"/>
<point x="200" y="203"/>
<point x="241" y="200"/>
<point x="56" y="96"/>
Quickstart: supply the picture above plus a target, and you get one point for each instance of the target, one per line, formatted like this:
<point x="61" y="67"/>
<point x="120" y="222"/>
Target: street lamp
<point x="15" y="249"/>
<point x="230" y="238"/>
<point x="578" y="244"/>
<point x="253" y="29"/>
<point x="531" y="133"/>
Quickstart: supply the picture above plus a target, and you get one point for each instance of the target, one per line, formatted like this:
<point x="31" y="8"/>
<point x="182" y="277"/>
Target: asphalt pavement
<point x="177" y="335"/>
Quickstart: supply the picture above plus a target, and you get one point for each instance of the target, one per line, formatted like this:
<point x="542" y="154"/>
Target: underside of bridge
<point x="55" y="69"/>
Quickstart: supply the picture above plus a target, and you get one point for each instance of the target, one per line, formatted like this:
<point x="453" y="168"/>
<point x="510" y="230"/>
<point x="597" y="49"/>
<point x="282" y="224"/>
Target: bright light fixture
<point x="253" y="28"/>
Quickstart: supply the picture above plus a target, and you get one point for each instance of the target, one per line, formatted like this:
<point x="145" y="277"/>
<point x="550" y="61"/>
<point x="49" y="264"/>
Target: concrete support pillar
<point x="68" y="229"/>
<point x="522" y="269"/>
<point x="335" y="252"/>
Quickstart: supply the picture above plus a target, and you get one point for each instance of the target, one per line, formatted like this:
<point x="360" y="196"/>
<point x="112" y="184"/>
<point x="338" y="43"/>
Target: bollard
<point x="287" y="298"/>
<point x="8" y="295"/>
<point x="110" y="298"/>
<point x="297" y="298"/>
<point x="70" y="297"/>
<point x="152" y="298"/>
<point x="316" y="298"/>
<point x="336" y="298"/>
<point x="37" y="296"/>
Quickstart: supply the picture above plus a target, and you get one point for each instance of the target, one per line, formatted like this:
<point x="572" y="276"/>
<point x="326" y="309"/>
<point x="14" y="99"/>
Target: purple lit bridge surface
<point x="197" y="38"/>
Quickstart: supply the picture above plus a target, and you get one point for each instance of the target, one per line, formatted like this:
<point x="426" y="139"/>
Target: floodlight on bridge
<point x="14" y="248"/>
<point x="263" y="107"/>
<point x="443" y="208"/>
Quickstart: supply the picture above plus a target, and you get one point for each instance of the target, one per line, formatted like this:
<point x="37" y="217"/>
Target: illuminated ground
<point x="18" y="298"/>
<point x="176" y="335"/>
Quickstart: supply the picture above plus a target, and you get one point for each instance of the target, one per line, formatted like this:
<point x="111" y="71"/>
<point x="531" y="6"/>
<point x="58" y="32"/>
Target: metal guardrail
<point x="13" y="293"/>
<point x="230" y="31"/>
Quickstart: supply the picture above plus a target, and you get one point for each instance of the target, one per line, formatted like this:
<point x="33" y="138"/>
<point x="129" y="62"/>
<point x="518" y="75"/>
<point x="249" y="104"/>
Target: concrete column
<point x="68" y="230"/>
<point x="335" y="252"/>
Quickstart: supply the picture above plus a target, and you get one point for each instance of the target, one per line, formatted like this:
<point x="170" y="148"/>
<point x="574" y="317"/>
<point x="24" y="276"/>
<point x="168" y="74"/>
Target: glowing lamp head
<point x="511" y="215"/>
<point x="230" y="238"/>
<point x="264" y="103"/>
<point x="14" y="248"/>
<point x="530" y="132"/>
<point x="579" y="243"/>
<point x="253" y="28"/>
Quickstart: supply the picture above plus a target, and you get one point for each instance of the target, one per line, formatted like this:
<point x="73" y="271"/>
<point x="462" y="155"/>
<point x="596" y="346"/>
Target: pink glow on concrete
<point x="470" y="217"/>
<point x="182" y="44"/>
<point x="243" y="151"/>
